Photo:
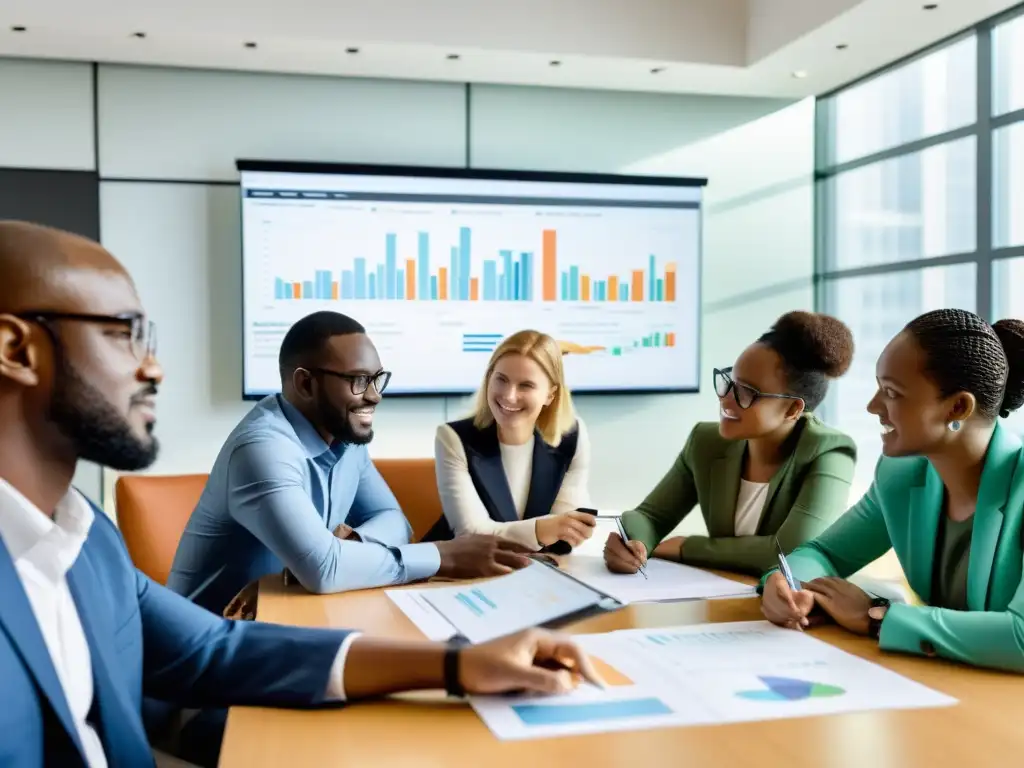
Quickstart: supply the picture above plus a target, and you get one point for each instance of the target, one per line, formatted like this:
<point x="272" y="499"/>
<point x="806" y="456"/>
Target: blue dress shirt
<point x="275" y="494"/>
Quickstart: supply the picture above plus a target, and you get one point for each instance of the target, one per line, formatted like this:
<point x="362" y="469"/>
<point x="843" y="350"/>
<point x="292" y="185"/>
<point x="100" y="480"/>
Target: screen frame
<point x="481" y="174"/>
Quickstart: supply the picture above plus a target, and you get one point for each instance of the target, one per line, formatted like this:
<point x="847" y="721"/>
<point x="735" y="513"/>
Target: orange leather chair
<point x="152" y="511"/>
<point x="415" y="486"/>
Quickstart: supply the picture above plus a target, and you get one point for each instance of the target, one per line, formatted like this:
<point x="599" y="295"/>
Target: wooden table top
<point x="427" y="731"/>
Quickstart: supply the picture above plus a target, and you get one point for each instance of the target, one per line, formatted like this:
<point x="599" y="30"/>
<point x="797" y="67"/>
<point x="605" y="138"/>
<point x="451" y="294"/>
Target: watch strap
<point x="452" y="657"/>
<point x="875" y="625"/>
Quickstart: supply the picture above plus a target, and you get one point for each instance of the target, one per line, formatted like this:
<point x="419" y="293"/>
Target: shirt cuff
<point x="420" y="561"/>
<point x="336" y="681"/>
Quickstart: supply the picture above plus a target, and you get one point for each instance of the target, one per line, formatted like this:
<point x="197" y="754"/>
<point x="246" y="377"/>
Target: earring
<point x="954" y="425"/>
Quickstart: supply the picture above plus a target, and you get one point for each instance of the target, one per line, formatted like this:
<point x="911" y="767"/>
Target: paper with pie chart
<point x="705" y="675"/>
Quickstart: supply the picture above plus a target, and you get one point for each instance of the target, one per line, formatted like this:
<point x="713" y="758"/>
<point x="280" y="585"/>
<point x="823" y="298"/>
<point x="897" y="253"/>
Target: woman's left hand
<point x="847" y="603"/>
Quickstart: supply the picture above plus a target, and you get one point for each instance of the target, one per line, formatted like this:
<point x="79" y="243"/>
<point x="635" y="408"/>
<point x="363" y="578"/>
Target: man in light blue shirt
<point x="294" y="487"/>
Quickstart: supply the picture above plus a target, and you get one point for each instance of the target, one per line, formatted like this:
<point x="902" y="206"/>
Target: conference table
<point x="427" y="730"/>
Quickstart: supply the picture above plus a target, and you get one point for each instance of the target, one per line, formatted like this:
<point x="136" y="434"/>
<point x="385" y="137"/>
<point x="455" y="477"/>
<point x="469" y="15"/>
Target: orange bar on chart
<point x="670" y="339"/>
<point x="608" y="673"/>
<point x="637" y="293"/>
<point x="670" y="282"/>
<point x="334" y="290"/>
<point x="410" y="279"/>
<point x="296" y="290"/>
<point x="585" y="288"/>
<point x="549" y="261"/>
<point x="442" y="283"/>
<point x="613" y="288"/>
<point x="474" y="289"/>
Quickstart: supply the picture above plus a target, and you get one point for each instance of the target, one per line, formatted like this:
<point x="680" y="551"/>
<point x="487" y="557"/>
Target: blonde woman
<point x="517" y="468"/>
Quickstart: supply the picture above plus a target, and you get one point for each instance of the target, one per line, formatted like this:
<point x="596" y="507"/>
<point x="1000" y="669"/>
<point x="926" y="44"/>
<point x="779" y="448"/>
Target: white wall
<point x="169" y="210"/>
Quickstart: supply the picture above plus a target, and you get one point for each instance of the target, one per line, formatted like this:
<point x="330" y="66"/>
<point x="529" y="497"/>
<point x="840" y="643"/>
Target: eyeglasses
<point x="745" y="396"/>
<point x="142" y="332"/>
<point x="360" y="382"/>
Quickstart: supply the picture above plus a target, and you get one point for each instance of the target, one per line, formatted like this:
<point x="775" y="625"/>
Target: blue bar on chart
<point x="348" y="284"/>
<point x="506" y="271"/>
<point x="526" y="276"/>
<point x="464" y="246"/>
<point x="307" y="289"/>
<point x="360" y="270"/>
<point x="490" y="281"/>
<point x="623" y="292"/>
<point x="381" y="289"/>
<point x="433" y="287"/>
<point x="574" y="283"/>
<point x="659" y="289"/>
<point x="391" y="260"/>
<point x="652" y="281"/>
<point x="453" y="275"/>
<point x="424" y="265"/>
<point x="561" y="714"/>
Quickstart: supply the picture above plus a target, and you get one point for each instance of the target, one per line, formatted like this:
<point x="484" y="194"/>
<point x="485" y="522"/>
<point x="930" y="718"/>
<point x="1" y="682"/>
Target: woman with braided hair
<point x="948" y="496"/>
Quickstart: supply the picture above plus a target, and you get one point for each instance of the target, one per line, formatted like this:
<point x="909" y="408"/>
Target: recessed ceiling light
<point x="842" y="47"/>
<point x="555" y="63"/>
<point x="140" y="35"/>
<point x="19" y="28"/>
<point x="657" y="70"/>
<point x="930" y="6"/>
<point x="352" y="50"/>
<point x="453" y="57"/>
<point x="800" y="74"/>
<point x="250" y="45"/>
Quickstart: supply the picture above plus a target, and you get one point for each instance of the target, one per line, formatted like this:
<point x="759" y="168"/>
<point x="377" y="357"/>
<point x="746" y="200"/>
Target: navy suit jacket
<point x="144" y="640"/>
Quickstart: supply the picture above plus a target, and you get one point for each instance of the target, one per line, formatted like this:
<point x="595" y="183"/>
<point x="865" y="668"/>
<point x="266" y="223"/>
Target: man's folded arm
<point x="268" y="498"/>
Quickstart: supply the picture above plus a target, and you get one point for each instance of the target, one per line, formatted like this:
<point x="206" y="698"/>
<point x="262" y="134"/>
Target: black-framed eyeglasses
<point x="745" y="395"/>
<point x="142" y="332"/>
<point x="360" y="382"/>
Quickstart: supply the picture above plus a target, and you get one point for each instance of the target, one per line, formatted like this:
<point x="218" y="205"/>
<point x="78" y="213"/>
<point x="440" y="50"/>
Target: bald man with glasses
<point x="294" y="489"/>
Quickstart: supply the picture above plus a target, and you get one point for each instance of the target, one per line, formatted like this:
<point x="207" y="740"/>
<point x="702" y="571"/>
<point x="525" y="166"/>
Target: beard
<point x="96" y="430"/>
<point x="337" y="423"/>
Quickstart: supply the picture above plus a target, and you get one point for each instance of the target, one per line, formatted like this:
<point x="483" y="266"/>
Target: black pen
<point x="625" y="540"/>
<point x="787" y="574"/>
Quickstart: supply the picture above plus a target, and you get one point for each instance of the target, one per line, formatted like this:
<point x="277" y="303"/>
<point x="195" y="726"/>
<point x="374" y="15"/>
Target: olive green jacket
<point x="806" y="495"/>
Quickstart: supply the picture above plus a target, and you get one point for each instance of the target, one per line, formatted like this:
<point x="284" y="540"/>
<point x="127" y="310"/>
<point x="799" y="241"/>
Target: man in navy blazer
<point x="83" y="635"/>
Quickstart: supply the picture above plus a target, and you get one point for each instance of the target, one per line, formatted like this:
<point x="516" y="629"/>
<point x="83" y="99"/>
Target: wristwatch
<point x="876" y="613"/>
<point x="452" y="683"/>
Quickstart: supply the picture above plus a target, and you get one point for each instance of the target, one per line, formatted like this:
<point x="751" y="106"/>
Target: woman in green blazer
<point x="768" y="471"/>
<point x="948" y="496"/>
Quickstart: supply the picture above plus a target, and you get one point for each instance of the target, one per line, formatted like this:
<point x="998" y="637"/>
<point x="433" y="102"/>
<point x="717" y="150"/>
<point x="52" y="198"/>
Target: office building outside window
<point x="920" y="203"/>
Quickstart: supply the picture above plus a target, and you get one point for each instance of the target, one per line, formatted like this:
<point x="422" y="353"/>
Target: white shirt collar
<point x="26" y="529"/>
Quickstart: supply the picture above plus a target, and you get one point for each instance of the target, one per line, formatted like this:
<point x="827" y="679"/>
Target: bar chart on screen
<point x="611" y="281"/>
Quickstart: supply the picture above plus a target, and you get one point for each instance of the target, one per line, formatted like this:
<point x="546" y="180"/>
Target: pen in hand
<point x="625" y="540"/>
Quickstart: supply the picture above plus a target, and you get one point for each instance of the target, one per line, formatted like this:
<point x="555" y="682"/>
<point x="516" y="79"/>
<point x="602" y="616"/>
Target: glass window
<point x="1008" y="301"/>
<point x="930" y="95"/>
<point x="1008" y="66"/>
<point x="911" y="207"/>
<point x="894" y="298"/>
<point x="1008" y="185"/>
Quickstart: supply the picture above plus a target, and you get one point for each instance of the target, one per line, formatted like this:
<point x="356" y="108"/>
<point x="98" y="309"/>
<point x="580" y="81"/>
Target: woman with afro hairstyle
<point x="948" y="496"/>
<point x="768" y="473"/>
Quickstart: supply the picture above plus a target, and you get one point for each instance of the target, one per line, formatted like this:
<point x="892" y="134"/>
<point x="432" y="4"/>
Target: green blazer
<point x="901" y="511"/>
<point x="805" y="496"/>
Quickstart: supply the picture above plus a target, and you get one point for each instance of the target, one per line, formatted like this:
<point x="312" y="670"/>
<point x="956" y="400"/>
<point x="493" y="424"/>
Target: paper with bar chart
<point x="481" y="611"/>
<point x="705" y="675"/>
<point x="443" y="269"/>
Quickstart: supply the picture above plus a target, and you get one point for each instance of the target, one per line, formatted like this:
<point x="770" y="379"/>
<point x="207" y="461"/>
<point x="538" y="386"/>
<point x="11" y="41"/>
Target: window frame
<point x="985" y="255"/>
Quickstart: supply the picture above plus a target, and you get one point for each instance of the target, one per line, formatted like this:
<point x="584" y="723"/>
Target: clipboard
<point x="602" y="603"/>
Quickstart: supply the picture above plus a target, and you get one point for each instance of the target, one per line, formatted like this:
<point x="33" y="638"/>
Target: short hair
<point x="814" y="348"/>
<point x="963" y="353"/>
<point x="556" y="419"/>
<point x="307" y="337"/>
